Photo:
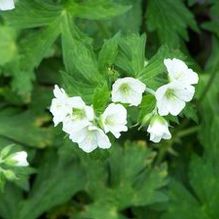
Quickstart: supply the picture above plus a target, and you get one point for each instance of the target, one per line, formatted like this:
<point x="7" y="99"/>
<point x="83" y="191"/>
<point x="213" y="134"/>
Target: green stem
<point x="163" y="150"/>
<point x="187" y="132"/>
<point x="150" y="91"/>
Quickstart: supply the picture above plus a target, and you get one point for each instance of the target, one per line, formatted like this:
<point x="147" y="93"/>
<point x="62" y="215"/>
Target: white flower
<point x="158" y="129"/>
<point x="171" y="98"/>
<point x="61" y="105"/>
<point x="81" y="115"/>
<point x="6" y="5"/>
<point x="128" y="90"/>
<point x="20" y="158"/>
<point x="179" y="71"/>
<point x="114" y="119"/>
<point x="89" y="138"/>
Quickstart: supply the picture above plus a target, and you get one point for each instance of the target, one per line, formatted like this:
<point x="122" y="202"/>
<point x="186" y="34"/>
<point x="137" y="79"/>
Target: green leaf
<point x="84" y="65"/>
<point x="29" y="14"/>
<point x="155" y="66"/>
<point x="97" y="9"/>
<point x="59" y="178"/>
<point x="170" y="19"/>
<point x="8" y="48"/>
<point x="131" y="21"/>
<point x="101" y="97"/>
<point x="9" y="201"/>
<point x="131" y="58"/>
<point x="108" y="52"/>
<point x="13" y="126"/>
<point x="213" y="25"/>
<point x="130" y="181"/>
<point x="146" y="107"/>
<point x="32" y="49"/>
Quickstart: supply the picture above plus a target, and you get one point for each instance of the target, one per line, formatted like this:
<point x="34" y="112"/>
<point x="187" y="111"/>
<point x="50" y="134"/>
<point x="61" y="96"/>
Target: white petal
<point x="103" y="140"/>
<point x="185" y="93"/>
<point x="175" y="106"/>
<point x="6" y="5"/>
<point x="192" y="77"/>
<point x="79" y="135"/>
<point x="59" y="92"/>
<point x="161" y="100"/>
<point x="59" y="111"/>
<point x="179" y="71"/>
<point x="175" y="67"/>
<point x="70" y="125"/>
<point x="155" y="138"/>
<point x="89" y="111"/>
<point x="136" y="85"/>
<point x="20" y="158"/>
<point x="76" y="102"/>
<point x="88" y="144"/>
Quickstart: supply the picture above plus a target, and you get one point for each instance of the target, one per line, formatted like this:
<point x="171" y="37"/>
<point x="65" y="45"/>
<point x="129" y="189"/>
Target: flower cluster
<point x="89" y="131"/>
<point x="82" y="125"/>
<point x="6" y="5"/>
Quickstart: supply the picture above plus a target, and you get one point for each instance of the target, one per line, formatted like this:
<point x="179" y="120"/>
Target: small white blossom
<point x="81" y="115"/>
<point x="6" y="5"/>
<point x="171" y="98"/>
<point x="179" y="71"/>
<point x="20" y="158"/>
<point x="90" y="137"/>
<point x="61" y="105"/>
<point x="114" y="119"/>
<point x="128" y="90"/>
<point x="158" y="129"/>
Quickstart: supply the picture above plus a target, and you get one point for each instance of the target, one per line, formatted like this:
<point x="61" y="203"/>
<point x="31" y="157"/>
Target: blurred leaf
<point x="59" y="178"/>
<point x="25" y="128"/>
<point x="9" y="201"/>
<point x="29" y="14"/>
<point x="32" y="49"/>
<point x="97" y="9"/>
<point x="170" y="19"/>
<point x="131" y="181"/>
<point x="8" y="48"/>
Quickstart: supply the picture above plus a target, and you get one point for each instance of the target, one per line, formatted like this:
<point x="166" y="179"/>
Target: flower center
<point x="109" y="120"/>
<point x="170" y="93"/>
<point x="124" y="88"/>
<point x="78" y="114"/>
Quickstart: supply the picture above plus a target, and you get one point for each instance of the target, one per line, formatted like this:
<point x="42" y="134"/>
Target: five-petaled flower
<point x="114" y="119"/>
<point x="171" y="98"/>
<point x="128" y="90"/>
